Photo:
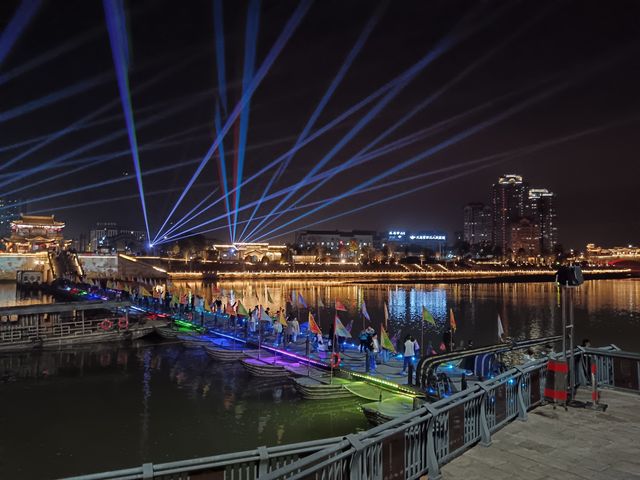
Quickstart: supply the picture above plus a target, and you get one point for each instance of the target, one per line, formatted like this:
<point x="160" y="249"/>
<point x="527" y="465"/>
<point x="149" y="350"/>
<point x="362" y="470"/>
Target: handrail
<point x="425" y="438"/>
<point x="427" y="364"/>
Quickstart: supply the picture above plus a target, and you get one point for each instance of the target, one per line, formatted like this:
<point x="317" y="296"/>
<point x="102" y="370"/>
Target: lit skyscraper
<point x="541" y="209"/>
<point x="508" y="198"/>
<point x="9" y="210"/>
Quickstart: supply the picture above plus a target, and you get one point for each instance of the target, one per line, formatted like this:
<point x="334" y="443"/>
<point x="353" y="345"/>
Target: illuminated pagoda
<point x="34" y="233"/>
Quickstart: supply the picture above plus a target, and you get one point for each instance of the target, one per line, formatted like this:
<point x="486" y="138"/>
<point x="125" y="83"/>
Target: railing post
<point x="355" y="466"/>
<point x="433" y="468"/>
<point x="147" y="471"/>
<point x="263" y="463"/>
<point x="485" y="432"/>
<point x="522" y="407"/>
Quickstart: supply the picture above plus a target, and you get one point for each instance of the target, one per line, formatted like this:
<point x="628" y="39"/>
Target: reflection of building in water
<point x="250" y="252"/>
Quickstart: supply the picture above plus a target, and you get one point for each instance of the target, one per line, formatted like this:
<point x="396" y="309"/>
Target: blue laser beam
<point x="288" y="30"/>
<point x="115" y="199"/>
<point x="101" y="141"/>
<point x="114" y="13"/>
<point x="49" y="55"/>
<point x="251" y="38"/>
<point x="437" y="148"/>
<point x="218" y="28"/>
<point x="16" y="25"/>
<point x="54" y="97"/>
<point x="408" y="116"/>
<point x="342" y="72"/>
<point x="457" y="35"/>
<point x="381" y="151"/>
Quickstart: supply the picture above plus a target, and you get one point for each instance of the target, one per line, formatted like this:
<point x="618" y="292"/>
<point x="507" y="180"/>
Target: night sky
<point x="593" y="47"/>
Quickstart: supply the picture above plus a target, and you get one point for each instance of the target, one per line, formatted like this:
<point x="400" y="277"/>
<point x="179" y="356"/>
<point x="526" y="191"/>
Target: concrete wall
<point x="10" y="263"/>
<point x="116" y="266"/>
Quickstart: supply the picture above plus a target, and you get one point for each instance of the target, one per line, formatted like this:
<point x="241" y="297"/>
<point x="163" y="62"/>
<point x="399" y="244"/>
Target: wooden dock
<point x="578" y="444"/>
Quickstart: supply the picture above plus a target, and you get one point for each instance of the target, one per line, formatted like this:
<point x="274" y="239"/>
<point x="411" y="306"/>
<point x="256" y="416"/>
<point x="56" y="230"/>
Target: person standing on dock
<point x="408" y="353"/>
<point x="374" y="348"/>
<point x="295" y="329"/>
<point x="277" y="330"/>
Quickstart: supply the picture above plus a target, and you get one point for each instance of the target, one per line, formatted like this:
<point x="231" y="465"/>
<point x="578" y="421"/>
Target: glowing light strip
<point x="290" y="27"/>
<point x="16" y="25"/>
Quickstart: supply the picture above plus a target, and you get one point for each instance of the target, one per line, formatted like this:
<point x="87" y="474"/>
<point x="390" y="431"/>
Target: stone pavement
<point x="557" y="444"/>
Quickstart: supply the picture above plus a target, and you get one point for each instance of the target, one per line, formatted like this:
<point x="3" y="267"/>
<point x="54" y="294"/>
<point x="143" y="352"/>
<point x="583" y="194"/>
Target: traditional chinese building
<point x="34" y="233"/>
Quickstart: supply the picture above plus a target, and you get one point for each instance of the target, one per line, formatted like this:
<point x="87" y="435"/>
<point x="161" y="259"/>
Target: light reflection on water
<point x="606" y="311"/>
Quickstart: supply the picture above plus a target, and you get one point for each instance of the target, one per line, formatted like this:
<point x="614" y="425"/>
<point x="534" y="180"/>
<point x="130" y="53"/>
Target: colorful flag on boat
<point x="144" y="292"/>
<point x="385" y="341"/>
<point x="427" y="317"/>
<point x="228" y="309"/>
<point x="452" y="321"/>
<point x="313" y="326"/>
<point x="363" y="309"/>
<point x="386" y="314"/>
<point x="500" y="329"/>
<point x="339" y="329"/>
<point x="301" y="300"/>
<point x="340" y="306"/>
<point x="281" y="319"/>
<point x="241" y="310"/>
<point x="349" y="326"/>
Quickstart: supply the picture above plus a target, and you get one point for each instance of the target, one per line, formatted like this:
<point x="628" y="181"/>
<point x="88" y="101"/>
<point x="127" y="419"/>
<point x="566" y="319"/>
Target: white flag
<point x="500" y="329"/>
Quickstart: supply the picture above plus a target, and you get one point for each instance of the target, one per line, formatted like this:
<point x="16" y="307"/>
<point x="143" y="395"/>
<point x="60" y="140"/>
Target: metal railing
<point x="407" y="447"/>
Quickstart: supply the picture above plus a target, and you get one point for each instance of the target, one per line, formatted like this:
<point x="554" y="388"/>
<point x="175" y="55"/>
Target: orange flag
<point x="452" y="320"/>
<point x="313" y="326"/>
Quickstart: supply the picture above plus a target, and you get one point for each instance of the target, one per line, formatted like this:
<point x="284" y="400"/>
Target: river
<point x="115" y="406"/>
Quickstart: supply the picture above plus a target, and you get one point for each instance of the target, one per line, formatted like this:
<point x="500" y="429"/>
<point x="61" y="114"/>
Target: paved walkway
<point x="557" y="444"/>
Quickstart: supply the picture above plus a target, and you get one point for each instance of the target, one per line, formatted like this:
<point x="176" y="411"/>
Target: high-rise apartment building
<point x="478" y="221"/>
<point x="9" y="211"/>
<point x="541" y="209"/>
<point x="508" y="198"/>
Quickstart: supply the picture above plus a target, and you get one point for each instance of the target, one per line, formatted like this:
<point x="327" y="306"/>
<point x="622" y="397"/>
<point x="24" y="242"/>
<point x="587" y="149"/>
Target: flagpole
<point x="333" y="345"/>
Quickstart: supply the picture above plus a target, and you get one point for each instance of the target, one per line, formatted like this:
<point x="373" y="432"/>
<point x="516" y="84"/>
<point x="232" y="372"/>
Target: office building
<point x="478" y="221"/>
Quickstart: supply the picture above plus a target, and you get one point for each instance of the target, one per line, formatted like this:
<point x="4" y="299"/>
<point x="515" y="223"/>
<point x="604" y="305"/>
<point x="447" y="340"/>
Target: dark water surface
<point x="73" y="412"/>
<point x="109" y="407"/>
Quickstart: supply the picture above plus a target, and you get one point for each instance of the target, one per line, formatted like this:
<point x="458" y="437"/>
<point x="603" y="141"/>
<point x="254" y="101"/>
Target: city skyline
<point x="561" y="141"/>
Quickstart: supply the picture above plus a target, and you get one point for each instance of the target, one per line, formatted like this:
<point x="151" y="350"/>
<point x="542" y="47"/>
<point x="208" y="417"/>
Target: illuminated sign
<point x="396" y="233"/>
<point x="428" y="237"/>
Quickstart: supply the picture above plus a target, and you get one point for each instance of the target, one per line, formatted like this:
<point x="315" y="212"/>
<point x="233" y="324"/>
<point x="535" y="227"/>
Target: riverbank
<point x="444" y="276"/>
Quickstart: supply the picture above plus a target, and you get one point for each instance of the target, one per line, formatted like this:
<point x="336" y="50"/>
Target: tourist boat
<point x="167" y="333"/>
<point x="265" y="367"/>
<point x="224" y="350"/>
<point x="55" y="325"/>
<point x="193" y="341"/>
<point x="315" y="389"/>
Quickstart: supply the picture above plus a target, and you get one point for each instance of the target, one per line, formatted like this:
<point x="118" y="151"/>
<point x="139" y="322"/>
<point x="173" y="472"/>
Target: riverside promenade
<point x="578" y="444"/>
